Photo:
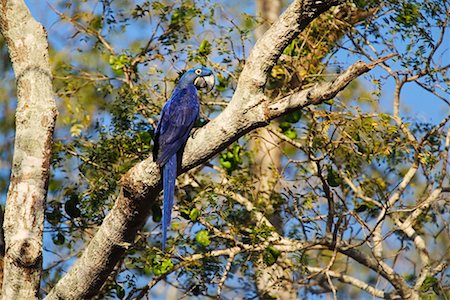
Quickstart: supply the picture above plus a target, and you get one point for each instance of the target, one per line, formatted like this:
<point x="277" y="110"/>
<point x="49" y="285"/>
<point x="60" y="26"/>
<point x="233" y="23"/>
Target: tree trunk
<point x="273" y="281"/>
<point x="265" y="146"/>
<point x="36" y="112"/>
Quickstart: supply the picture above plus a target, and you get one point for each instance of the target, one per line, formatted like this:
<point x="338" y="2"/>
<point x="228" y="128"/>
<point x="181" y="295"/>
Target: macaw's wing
<point x="177" y="119"/>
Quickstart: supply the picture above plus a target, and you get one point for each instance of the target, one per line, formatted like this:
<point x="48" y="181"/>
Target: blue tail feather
<point x="169" y="176"/>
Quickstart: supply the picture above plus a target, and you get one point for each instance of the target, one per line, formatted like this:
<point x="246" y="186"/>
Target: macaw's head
<point x="202" y="78"/>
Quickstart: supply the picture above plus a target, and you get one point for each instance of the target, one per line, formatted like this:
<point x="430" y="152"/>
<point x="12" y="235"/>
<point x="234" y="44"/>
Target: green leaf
<point x="293" y="117"/>
<point x="409" y="15"/>
<point x="202" y="238"/>
<point x="96" y="23"/>
<point x="71" y="207"/>
<point x="194" y="214"/>
<point x="185" y="213"/>
<point x="118" y="63"/>
<point x="333" y="178"/>
<point x="147" y="269"/>
<point x="291" y="133"/>
<point x="205" y="48"/>
<point x="120" y="291"/>
<point x="54" y="217"/>
<point x="271" y="255"/>
<point x="225" y="164"/>
<point x="59" y="239"/>
<point x="156" y="213"/>
<point x="285" y="126"/>
<point x="163" y="267"/>
<point x="237" y="154"/>
<point x="364" y="206"/>
<point x="428" y="283"/>
<point x="231" y="159"/>
<point x="291" y="48"/>
<point x="76" y="130"/>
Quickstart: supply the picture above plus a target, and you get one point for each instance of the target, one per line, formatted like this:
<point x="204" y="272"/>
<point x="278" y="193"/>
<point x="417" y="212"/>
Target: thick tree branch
<point x="35" y="119"/>
<point x="269" y="48"/>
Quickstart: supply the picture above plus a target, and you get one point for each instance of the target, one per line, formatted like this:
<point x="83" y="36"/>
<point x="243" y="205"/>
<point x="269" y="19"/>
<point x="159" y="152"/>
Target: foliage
<point x="344" y="161"/>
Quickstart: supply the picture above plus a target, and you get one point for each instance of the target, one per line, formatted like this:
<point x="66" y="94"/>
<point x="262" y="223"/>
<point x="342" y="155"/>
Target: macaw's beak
<point x="205" y="83"/>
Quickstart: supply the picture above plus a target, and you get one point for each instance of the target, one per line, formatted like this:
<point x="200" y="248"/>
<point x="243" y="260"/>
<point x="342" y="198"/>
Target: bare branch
<point x="407" y="228"/>
<point x="352" y="281"/>
<point x="403" y="185"/>
<point x="85" y="29"/>
<point x="225" y="275"/>
<point x="428" y="271"/>
<point x="398" y="87"/>
<point x="358" y="192"/>
<point x="321" y="92"/>
<point x="379" y="267"/>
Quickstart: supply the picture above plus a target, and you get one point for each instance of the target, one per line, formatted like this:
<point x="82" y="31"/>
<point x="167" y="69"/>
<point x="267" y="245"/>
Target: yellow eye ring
<point x="198" y="71"/>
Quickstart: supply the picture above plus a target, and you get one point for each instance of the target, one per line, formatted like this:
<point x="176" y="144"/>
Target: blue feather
<point x="169" y="176"/>
<point x="177" y="119"/>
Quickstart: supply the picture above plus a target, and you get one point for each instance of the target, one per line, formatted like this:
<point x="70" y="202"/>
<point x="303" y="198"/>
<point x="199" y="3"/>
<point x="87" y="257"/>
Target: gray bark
<point x="248" y="110"/>
<point x="265" y="146"/>
<point x="35" y="119"/>
<point x="271" y="281"/>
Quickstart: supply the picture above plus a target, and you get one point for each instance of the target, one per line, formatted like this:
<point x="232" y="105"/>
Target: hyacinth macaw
<point x="176" y="121"/>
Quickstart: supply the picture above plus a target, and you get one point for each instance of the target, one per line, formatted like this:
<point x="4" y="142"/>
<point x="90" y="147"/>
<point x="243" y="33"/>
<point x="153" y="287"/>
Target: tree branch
<point x="35" y="120"/>
<point x="322" y="92"/>
<point x="352" y="281"/>
<point x="224" y="275"/>
<point x="379" y="267"/>
<point x="268" y="49"/>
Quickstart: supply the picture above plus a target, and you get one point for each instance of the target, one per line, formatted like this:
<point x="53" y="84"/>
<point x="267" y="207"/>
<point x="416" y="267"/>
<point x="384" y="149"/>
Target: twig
<point x="224" y="275"/>
<point x="351" y="280"/>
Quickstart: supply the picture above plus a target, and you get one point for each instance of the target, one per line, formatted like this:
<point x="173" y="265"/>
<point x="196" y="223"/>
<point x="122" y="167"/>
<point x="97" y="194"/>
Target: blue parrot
<point x="176" y="121"/>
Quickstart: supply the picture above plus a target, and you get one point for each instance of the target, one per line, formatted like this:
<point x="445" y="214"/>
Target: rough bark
<point x="35" y="119"/>
<point x="273" y="281"/>
<point x="265" y="146"/>
<point x="248" y="110"/>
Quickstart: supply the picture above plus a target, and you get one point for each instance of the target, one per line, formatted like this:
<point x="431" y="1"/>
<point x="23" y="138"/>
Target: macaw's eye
<point x="198" y="71"/>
